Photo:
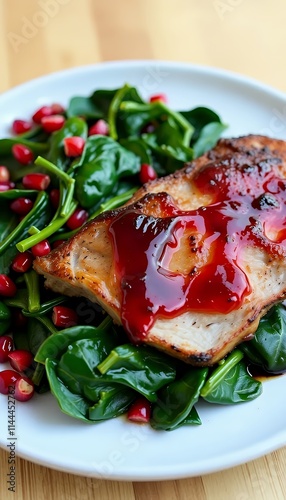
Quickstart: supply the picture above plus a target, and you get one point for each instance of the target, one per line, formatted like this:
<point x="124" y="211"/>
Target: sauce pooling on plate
<point x="247" y="208"/>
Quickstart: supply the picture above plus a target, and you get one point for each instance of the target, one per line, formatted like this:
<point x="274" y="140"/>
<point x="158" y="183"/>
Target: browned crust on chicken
<point x="251" y="145"/>
<point x="84" y="266"/>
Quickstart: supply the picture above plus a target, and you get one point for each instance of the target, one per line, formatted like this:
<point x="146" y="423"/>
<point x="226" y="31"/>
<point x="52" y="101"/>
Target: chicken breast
<point x="191" y="263"/>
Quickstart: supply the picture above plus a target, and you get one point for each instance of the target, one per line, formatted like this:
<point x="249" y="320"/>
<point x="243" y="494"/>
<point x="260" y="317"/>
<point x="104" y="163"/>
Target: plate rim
<point x="136" y="63"/>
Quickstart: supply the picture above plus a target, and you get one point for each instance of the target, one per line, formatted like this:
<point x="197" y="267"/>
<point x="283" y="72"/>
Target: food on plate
<point x="152" y="288"/>
<point x="194" y="259"/>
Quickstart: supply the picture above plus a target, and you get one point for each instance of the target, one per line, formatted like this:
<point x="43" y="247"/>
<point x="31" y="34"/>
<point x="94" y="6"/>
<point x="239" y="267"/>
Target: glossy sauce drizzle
<point x="248" y="207"/>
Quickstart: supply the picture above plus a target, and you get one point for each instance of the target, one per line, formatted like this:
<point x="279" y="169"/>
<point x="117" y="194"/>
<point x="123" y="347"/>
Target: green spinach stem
<point x="68" y="181"/>
<point x="33" y="287"/>
<point x="48" y="324"/>
<point x="113" y="110"/>
<point x="114" y="202"/>
<point x="221" y="371"/>
<point x="40" y="202"/>
<point x="54" y="226"/>
<point x="108" y="362"/>
<point x="186" y="127"/>
<point x="45" y="307"/>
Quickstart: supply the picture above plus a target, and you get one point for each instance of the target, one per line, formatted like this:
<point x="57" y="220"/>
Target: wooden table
<point x="38" y="37"/>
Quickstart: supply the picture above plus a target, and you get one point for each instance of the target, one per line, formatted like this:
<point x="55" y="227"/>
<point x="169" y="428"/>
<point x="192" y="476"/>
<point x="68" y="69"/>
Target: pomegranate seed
<point x="36" y="181"/>
<point x="40" y="249"/>
<point x="18" y="318"/>
<point x="40" y="113"/>
<point x="99" y="128"/>
<point x="57" y="109"/>
<point x="55" y="197"/>
<point x="139" y="411"/>
<point x="24" y="389"/>
<point x="20" y="359"/>
<point x="64" y="317"/>
<point x="57" y="243"/>
<point x="22" y="262"/>
<point x="4" y="174"/>
<point x="21" y="126"/>
<point x="7" y="286"/>
<point x="147" y="173"/>
<point x="77" y="219"/>
<point x="73" y="146"/>
<point x="8" y="378"/>
<point x="21" y="206"/>
<point x="22" y="154"/>
<point x="158" y="97"/>
<point x="5" y="186"/>
<point x="6" y="346"/>
<point x="52" y="123"/>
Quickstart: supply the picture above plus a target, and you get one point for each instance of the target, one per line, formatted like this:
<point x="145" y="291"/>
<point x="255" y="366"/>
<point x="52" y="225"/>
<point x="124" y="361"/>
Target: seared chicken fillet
<point x="233" y="224"/>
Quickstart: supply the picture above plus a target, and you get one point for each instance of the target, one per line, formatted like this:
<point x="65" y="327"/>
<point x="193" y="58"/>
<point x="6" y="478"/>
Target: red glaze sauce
<point x="248" y="200"/>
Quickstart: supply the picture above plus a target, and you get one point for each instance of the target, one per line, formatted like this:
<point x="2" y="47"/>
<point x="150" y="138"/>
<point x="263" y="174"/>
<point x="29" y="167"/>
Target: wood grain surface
<point x="42" y="36"/>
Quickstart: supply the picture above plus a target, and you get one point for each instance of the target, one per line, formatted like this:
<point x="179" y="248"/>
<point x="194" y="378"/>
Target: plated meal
<point x="142" y="260"/>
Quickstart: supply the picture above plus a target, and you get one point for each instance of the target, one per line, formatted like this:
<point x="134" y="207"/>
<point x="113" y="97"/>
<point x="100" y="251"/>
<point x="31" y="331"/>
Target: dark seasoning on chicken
<point x="194" y="259"/>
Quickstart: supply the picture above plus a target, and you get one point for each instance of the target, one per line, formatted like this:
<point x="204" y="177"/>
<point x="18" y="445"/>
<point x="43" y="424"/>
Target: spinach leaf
<point x="57" y="344"/>
<point x="208" y="138"/>
<point x="71" y="404"/>
<point x="102" y="100"/>
<point x="176" y="401"/>
<point x="36" y="334"/>
<point x="5" y="318"/>
<point x="168" y="143"/>
<point x="220" y="372"/>
<point x="7" y="144"/>
<point x="237" y="387"/>
<point x="200" y="117"/>
<point x="170" y="158"/>
<point x="143" y="369"/>
<point x="36" y="134"/>
<point x="76" y="366"/>
<point x="94" y="107"/>
<point x="268" y="347"/>
<point x="192" y="419"/>
<point x="112" y="400"/>
<point x="103" y="163"/>
<point x="134" y="116"/>
<point x="168" y="133"/>
<point x="208" y="128"/>
<point x="102" y="104"/>
<point x="20" y="300"/>
<point x="84" y="107"/>
<point x="139" y="147"/>
<point x="20" y="339"/>
<point x="8" y="219"/>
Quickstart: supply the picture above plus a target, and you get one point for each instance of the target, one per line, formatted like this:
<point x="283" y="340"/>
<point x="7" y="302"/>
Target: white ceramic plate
<point x="117" y="449"/>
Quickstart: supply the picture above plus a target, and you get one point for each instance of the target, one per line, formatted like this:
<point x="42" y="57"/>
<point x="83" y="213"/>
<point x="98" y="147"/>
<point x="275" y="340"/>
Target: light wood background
<point x="246" y="36"/>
